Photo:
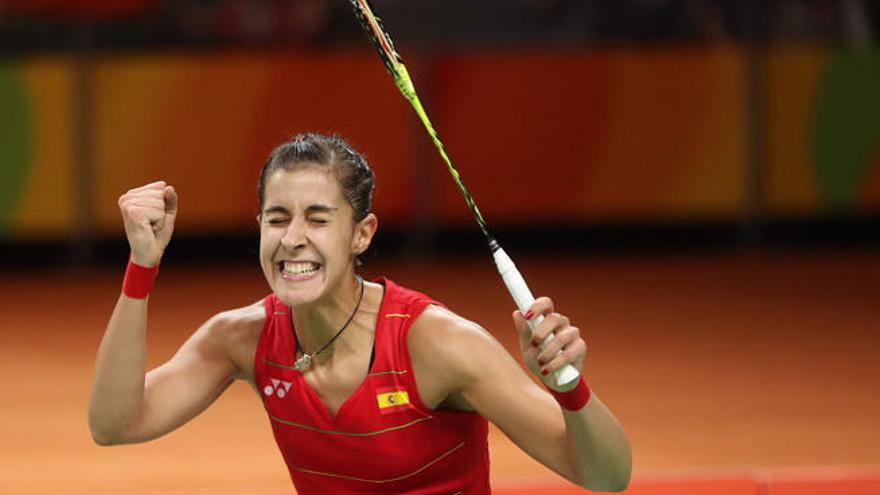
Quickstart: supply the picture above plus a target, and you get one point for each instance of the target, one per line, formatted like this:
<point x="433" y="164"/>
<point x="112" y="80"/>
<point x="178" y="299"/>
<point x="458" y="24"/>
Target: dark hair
<point x="351" y="170"/>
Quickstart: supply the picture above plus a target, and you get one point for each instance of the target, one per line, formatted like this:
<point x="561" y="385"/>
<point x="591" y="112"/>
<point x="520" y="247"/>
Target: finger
<point x="573" y="353"/>
<point x="170" y="198"/>
<point x="541" y="306"/>
<point x="552" y="323"/>
<point x="169" y="215"/>
<point x="128" y="206"/>
<point x="154" y="203"/>
<point x="158" y="185"/>
<point x="150" y="193"/>
<point x="561" y="339"/>
<point x="145" y="215"/>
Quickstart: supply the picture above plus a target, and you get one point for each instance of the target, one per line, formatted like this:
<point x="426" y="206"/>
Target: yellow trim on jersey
<point x="278" y="365"/>
<point x="392" y="399"/>
<point x="389" y="372"/>
<point x="403" y="477"/>
<point x="398" y="315"/>
<point x="350" y="434"/>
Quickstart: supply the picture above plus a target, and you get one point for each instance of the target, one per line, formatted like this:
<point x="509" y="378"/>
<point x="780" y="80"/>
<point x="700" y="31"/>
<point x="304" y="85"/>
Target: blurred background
<point x="615" y="124"/>
<point x="699" y="180"/>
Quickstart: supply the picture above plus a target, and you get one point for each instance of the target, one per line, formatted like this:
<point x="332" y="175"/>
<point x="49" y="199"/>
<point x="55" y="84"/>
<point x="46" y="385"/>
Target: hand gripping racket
<point x="515" y="283"/>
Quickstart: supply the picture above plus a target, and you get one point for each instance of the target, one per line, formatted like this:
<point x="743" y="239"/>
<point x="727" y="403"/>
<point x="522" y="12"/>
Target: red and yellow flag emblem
<point x="392" y="399"/>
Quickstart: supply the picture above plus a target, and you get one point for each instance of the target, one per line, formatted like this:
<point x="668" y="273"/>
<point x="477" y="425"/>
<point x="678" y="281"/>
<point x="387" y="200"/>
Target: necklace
<point x="303" y="362"/>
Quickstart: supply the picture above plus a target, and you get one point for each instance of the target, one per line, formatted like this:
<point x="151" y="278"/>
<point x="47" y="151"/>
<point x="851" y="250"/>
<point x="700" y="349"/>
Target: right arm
<point x="128" y="405"/>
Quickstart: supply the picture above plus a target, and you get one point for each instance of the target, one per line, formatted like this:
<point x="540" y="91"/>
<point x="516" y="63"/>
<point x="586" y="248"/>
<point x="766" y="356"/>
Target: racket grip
<point x="523" y="298"/>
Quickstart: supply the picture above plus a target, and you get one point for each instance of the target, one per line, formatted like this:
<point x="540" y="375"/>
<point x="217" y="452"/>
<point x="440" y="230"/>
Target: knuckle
<point x="563" y="356"/>
<point x="537" y="305"/>
<point x="538" y="338"/>
<point x="548" y="356"/>
<point x="541" y="358"/>
<point x="564" y="337"/>
<point x="558" y="319"/>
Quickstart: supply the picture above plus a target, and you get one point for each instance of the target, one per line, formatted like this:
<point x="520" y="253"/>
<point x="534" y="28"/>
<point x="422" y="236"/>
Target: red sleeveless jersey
<point x="383" y="438"/>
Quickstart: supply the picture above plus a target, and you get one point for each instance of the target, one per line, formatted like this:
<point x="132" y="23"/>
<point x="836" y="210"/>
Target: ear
<point x="363" y="234"/>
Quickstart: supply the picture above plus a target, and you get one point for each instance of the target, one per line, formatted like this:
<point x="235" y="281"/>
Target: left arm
<point x="457" y="361"/>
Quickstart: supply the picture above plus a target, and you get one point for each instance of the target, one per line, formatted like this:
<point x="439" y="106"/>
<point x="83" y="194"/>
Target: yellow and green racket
<point x="515" y="283"/>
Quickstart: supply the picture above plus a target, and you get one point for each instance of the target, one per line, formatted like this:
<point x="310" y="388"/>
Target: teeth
<point x="300" y="268"/>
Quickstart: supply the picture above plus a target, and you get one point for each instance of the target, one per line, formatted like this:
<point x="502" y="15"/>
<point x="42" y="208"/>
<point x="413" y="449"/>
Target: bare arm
<point x="588" y="447"/>
<point x="596" y="443"/>
<point x="127" y="404"/>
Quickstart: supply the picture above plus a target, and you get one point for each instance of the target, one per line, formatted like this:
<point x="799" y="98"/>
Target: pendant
<point x="303" y="362"/>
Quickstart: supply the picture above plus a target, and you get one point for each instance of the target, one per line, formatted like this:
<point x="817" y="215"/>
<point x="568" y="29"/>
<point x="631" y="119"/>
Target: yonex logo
<point x="278" y="387"/>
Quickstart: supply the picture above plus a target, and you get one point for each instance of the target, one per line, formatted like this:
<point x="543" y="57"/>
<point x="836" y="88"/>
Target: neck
<point x="317" y="323"/>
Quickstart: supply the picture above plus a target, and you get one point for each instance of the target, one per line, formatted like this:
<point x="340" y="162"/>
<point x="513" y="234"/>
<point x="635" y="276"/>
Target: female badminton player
<point x="369" y="387"/>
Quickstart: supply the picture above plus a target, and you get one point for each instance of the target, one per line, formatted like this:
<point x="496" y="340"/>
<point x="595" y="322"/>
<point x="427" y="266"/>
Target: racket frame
<point x="516" y="284"/>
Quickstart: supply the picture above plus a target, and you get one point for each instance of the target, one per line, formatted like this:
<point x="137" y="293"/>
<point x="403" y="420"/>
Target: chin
<point x="298" y="293"/>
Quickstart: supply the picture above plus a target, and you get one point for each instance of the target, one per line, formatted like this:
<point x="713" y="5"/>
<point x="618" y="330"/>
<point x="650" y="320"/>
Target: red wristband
<point x="575" y="399"/>
<point x="138" y="280"/>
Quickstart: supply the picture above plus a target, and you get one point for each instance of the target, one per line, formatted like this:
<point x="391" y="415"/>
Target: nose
<point x="295" y="236"/>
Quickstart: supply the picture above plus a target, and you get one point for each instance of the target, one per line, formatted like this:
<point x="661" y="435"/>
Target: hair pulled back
<point x="312" y="149"/>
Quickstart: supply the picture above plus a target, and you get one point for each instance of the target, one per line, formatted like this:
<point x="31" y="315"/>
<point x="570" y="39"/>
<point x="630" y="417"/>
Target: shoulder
<point x="438" y="324"/>
<point x="235" y="334"/>
<point x="446" y="344"/>
<point x="239" y="319"/>
<point x="234" y="323"/>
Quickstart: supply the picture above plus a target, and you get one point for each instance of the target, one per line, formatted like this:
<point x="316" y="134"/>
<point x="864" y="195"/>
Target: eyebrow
<point x="321" y="209"/>
<point x="317" y="208"/>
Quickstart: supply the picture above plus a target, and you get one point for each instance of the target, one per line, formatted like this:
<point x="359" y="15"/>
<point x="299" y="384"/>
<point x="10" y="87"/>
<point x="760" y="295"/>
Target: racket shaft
<point x="523" y="298"/>
<point x="512" y="278"/>
<point x="426" y="122"/>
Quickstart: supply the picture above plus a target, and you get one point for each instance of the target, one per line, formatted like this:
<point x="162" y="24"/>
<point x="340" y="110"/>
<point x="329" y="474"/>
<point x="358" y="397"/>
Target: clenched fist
<point x="148" y="213"/>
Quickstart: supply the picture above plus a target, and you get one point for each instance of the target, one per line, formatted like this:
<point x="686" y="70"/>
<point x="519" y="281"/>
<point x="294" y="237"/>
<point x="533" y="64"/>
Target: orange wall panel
<point x="206" y="124"/>
<point x="586" y="136"/>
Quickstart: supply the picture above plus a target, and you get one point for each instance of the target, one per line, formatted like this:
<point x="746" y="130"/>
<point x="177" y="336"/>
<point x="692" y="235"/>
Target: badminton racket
<point x="514" y="281"/>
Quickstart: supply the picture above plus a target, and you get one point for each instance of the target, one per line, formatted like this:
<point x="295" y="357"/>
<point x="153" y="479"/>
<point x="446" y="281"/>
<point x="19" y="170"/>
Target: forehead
<point x="302" y="187"/>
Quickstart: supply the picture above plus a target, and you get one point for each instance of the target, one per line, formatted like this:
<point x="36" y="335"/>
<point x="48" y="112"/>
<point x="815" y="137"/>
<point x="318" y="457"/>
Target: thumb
<point x="167" y="224"/>
<point x="523" y="329"/>
<point x="143" y="223"/>
<point x="170" y="201"/>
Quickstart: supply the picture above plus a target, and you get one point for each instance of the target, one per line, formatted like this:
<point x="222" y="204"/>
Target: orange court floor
<point x="736" y="373"/>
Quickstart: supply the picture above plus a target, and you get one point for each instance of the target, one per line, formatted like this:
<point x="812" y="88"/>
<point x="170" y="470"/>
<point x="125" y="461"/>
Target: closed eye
<point x="277" y="221"/>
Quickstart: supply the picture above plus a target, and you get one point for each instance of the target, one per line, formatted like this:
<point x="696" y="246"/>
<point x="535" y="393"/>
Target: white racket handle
<point x="523" y="298"/>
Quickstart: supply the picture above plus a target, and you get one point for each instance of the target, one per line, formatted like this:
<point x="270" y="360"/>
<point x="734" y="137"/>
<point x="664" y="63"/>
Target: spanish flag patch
<point x="392" y="399"/>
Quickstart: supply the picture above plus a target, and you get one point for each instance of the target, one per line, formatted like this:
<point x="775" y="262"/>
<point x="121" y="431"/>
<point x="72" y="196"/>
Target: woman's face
<point x="308" y="238"/>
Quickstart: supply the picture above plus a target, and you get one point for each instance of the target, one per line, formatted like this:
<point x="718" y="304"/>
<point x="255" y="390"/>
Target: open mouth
<point x="298" y="270"/>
